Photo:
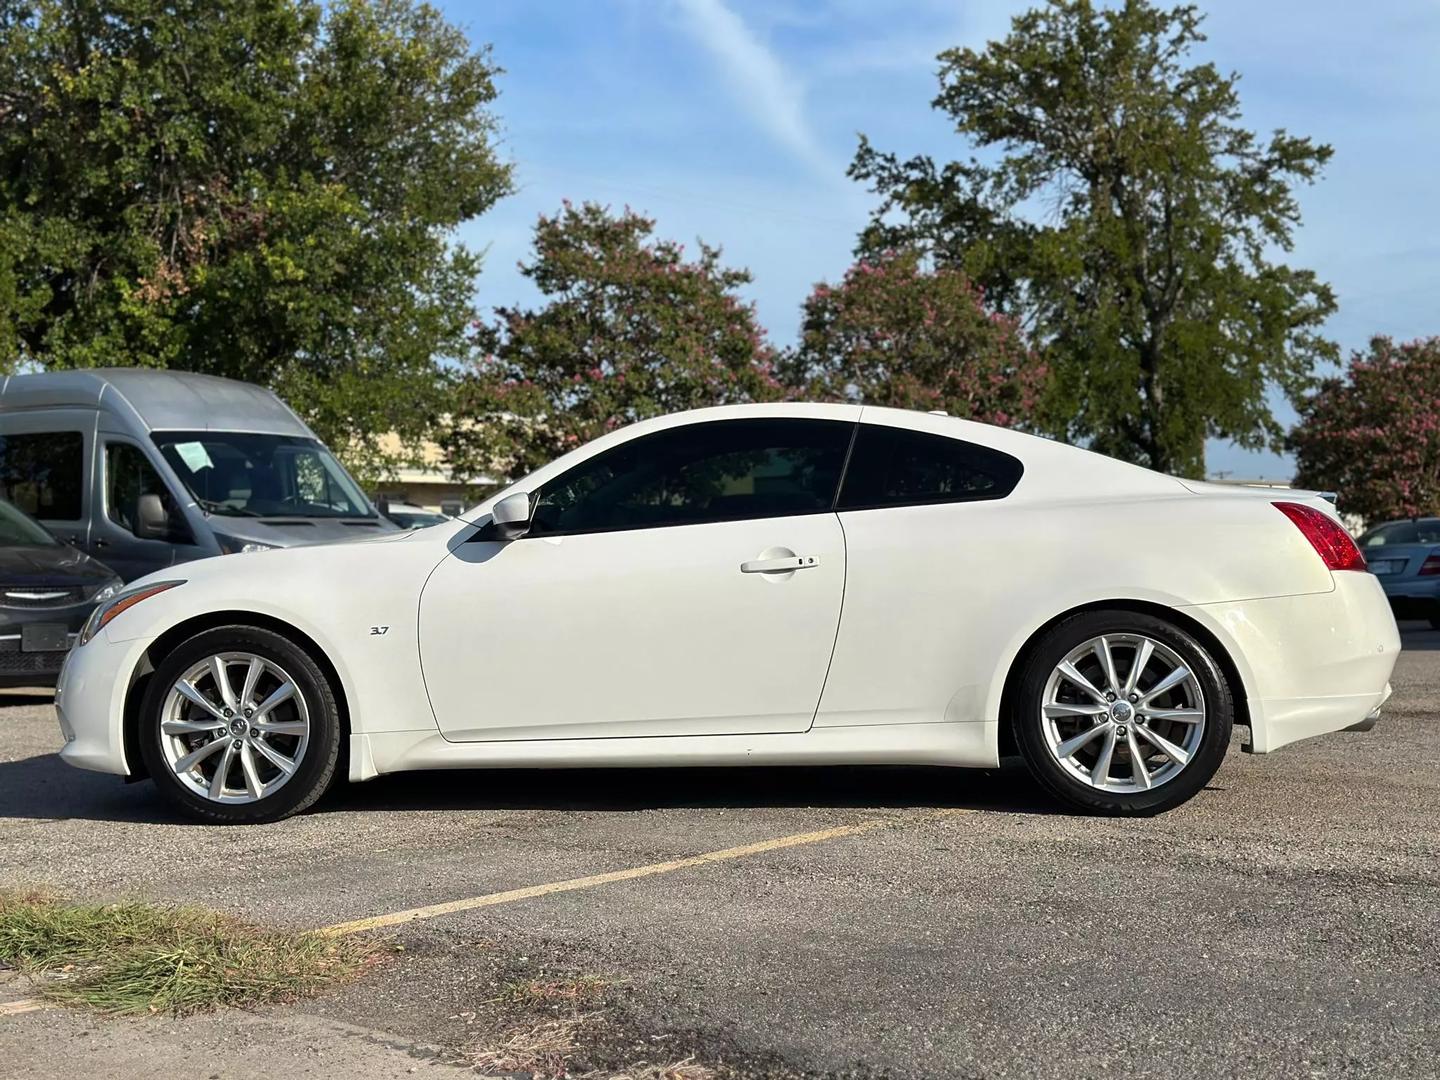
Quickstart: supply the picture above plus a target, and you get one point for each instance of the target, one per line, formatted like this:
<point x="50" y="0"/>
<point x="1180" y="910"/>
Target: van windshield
<point x="246" y="475"/>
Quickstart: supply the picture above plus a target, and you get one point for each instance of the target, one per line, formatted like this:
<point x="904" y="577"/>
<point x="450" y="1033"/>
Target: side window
<point x="43" y="474"/>
<point x="725" y="470"/>
<point x="129" y="475"/>
<point x="897" y="467"/>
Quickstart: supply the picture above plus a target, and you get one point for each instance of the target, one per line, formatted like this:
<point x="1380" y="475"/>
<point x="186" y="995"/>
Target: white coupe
<point x="767" y="584"/>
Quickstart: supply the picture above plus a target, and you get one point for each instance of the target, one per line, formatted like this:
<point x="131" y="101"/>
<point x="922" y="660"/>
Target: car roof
<point x="159" y="400"/>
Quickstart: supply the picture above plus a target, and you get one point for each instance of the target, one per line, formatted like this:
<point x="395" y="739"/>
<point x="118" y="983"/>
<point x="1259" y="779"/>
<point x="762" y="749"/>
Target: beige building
<point x="429" y="484"/>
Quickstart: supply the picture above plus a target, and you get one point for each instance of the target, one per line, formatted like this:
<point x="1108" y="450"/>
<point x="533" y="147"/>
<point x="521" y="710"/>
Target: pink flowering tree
<point x="1373" y="435"/>
<point x="631" y="327"/>
<point x="896" y="333"/>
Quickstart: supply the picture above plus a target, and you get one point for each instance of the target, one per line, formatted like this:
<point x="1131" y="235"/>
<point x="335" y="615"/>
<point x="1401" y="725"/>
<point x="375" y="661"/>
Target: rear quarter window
<point x="898" y="467"/>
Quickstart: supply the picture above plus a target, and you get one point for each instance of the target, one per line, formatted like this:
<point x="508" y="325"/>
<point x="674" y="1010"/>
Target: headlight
<point x="109" y="591"/>
<point x="231" y="546"/>
<point x="101" y="616"/>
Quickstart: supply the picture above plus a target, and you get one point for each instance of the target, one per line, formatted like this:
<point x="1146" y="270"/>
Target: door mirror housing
<point x="152" y="522"/>
<point x="510" y="517"/>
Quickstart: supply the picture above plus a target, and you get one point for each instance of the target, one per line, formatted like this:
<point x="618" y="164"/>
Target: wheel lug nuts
<point x="1109" y="695"/>
<point x="254" y="733"/>
<point x="237" y="744"/>
<point x="1120" y="731"/>
<point x="1134" y="697"/>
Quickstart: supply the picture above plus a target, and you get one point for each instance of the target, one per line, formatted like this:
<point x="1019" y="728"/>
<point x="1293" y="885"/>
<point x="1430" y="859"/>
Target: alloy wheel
<point x="234" y="727"/>
<point x="1123" y="713"/>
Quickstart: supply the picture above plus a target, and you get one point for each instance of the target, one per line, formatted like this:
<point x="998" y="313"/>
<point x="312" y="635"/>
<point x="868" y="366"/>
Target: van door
<point x="46" y="459"/>
<point x="125" y="474"/>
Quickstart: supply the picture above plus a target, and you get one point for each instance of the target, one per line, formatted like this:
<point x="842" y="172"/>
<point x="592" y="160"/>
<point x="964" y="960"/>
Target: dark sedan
<point x="1405" y="556"/>
<point x="47" y="589"/>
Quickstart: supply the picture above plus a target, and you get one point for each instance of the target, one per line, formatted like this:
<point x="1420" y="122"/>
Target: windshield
<point x="17" y="530"/>
<point x="1423" y="531"/>
<point x="245" y="475"/>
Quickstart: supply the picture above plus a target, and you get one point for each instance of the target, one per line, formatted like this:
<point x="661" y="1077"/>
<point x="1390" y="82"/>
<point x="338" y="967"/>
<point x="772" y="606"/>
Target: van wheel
<point x="1122" y="713"/>
<point x="240" y="726"/>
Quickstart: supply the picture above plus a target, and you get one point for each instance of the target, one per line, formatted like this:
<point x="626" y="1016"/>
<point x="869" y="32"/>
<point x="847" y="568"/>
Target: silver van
<point x="144" y="469"/>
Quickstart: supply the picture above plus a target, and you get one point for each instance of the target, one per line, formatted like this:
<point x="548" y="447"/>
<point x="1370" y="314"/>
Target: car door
<point x="126" y="473"/>
<point x="686" y="582"/>
<point x="929" y="587"/>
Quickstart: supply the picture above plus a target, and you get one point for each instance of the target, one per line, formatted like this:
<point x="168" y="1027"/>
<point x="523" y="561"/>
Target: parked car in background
<point x="1405" y="556"/>
<point x="146" y="468"/>
<point x="410" y="516"/>
<point x="47" y="590"/>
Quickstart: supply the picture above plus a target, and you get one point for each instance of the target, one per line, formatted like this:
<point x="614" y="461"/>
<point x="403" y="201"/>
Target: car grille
<point x="34" y="596"/>
<point x="15" y="662"/>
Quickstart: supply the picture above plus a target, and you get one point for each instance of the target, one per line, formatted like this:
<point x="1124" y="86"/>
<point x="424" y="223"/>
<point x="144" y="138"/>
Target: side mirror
<point x="510" y="517"/>
<point x="152" y="522"/>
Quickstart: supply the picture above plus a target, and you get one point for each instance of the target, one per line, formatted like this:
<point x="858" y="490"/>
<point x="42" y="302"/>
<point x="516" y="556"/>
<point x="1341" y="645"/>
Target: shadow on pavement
<point x="1418" y="637"/>
<point x="43" y="787"/>
<point x="1008" y="789"/>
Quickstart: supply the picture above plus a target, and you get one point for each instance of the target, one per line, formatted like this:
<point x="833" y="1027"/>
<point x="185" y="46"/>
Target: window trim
<point x="854" y="426"/>
<point x="181" y="532"/>
<point x="926" y="501"/>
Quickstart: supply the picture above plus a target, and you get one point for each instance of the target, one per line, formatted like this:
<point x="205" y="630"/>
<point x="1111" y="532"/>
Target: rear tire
<point x="239" y="725"/>
<point x="1108" y="739"/>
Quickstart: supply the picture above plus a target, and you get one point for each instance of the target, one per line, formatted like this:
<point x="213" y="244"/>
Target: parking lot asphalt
<point x="1283" y="923"/>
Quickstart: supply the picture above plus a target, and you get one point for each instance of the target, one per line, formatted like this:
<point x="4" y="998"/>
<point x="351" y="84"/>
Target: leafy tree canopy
<point x="263" y="189"/>
<point x="895" y="333"/>
<point x="1118" y="208"/>
<point x="631" y="328"/>
<point x="1374" y="434"/>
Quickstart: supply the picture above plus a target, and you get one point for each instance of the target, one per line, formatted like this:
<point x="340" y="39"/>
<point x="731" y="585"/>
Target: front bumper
<point x="90" y="703"/>
<point x="1312" y="664"/>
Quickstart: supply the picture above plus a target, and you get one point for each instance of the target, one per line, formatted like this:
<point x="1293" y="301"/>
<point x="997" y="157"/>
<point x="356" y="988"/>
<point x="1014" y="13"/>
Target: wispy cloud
<point x="760" y="83"/>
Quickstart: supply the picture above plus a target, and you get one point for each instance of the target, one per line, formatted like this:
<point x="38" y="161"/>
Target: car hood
<point x="300" y="531"/>
<point x="61" y="566"/>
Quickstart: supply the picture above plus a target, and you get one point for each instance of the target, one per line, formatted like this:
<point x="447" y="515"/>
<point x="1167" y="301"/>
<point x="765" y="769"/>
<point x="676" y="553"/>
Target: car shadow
<point x="45" y="788"/>
<point x="1416" y="636"/>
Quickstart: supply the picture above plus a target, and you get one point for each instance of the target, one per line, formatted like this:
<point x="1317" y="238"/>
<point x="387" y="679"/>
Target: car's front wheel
<point x="240" y="725"/>
<point x="1122" y="713"/>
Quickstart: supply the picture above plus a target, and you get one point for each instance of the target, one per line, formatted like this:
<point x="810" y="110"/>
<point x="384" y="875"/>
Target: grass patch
<point x="142" y="958"/>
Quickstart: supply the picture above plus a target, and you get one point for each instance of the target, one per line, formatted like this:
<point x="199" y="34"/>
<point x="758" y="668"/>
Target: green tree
<point x="262" y="189"/>
<point x="1124" y="216"/>
<point x="894" y="333"/>
<point x="631" y="328"/>
<point x="1373" y="435"/>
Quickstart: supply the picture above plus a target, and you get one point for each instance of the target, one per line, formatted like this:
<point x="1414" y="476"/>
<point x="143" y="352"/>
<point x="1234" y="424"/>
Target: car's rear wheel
<point x="1122" y="713"/>
<point x="240" y="725"/>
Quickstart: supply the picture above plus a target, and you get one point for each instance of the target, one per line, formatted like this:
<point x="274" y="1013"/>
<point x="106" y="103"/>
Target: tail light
<point x="1326" y="535"/>
<point x="1430" y="566"/>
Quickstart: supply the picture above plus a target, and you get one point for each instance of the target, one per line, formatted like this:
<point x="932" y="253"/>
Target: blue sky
<point x="734" y="120"/>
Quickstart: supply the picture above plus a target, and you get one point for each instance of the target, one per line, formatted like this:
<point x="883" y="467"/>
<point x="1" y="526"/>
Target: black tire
<point x="1029" y="724"/>
<point x="316" y="768"/>
<point x="1435" y="622"/>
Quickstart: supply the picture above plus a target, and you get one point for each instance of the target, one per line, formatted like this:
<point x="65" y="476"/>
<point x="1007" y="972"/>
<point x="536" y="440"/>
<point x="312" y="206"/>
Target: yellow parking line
<point x="433" y="911"/>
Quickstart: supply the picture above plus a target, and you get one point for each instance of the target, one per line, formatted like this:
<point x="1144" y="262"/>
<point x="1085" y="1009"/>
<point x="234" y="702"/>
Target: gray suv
<point x="144" y="469"/>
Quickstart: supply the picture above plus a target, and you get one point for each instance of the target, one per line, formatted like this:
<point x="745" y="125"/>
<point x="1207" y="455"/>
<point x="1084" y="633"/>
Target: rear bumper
<point x="1311" y="664"/>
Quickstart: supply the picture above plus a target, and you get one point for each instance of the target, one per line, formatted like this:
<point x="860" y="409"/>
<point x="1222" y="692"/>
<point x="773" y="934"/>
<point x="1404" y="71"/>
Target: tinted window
<point x="721" y="471"/>
<point x="42" y="474"/>
<point x="17" y="530"/>
<point x="896" y="467"/>
<point x="128" y="475"/>
<point x="1422" y="531"/>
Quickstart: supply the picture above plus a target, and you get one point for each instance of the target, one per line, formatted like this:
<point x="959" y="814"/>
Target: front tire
<point x="239" y="725"/>
<point x="1122" y="713"/>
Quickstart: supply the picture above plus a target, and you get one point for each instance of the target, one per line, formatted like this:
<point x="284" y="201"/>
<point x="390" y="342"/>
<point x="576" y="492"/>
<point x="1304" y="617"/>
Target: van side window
<point x="128" y="475"/>
<point x="43" y="473"/>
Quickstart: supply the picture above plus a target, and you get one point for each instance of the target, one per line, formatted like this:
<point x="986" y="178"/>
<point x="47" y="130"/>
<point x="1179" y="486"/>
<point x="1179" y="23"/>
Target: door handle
<point x="784" y="565"/>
